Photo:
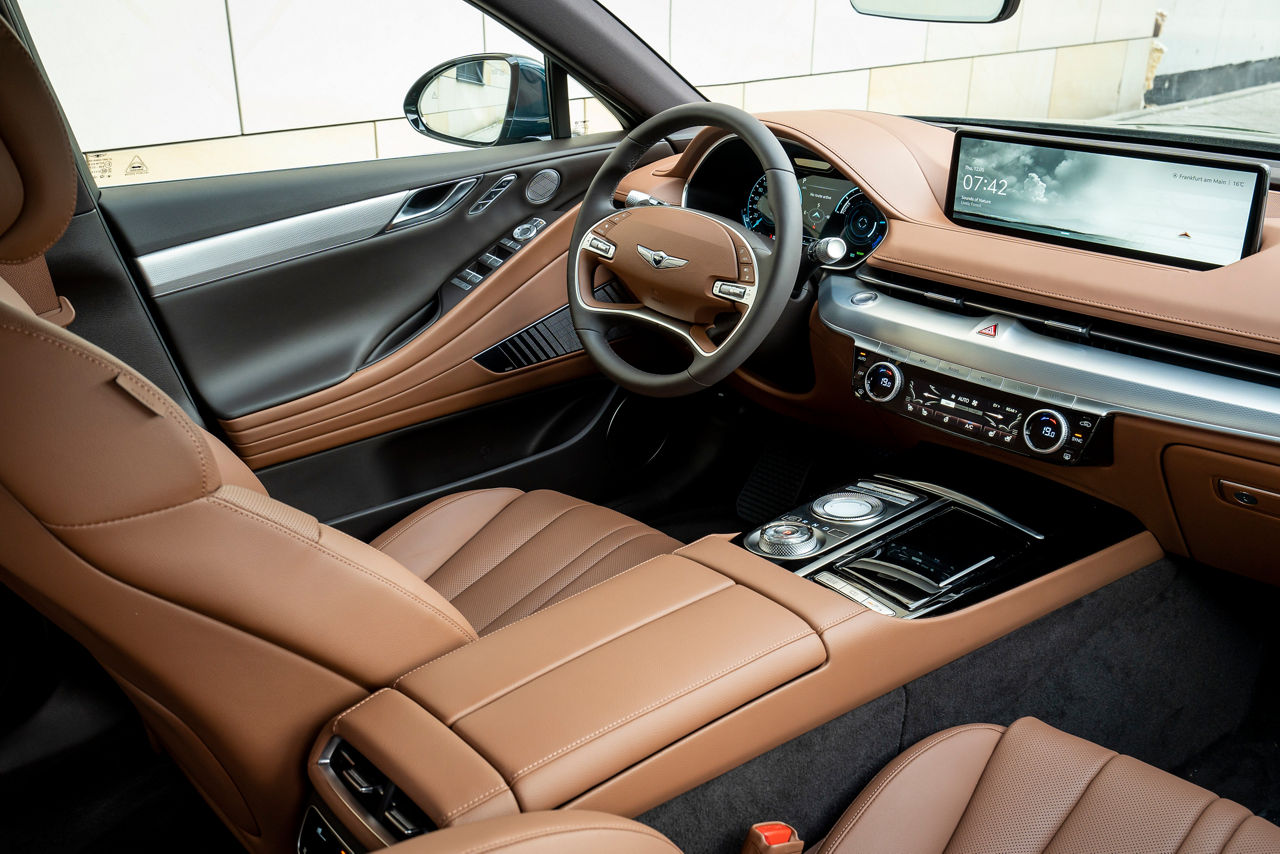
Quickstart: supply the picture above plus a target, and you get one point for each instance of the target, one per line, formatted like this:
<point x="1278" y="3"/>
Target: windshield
<point x="1203" y="67"/>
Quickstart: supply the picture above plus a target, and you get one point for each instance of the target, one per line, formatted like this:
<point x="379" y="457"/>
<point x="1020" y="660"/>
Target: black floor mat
<point x="1244" y="766"/>
<point x="1161" y="665"/>
<point x="112" y="794"/>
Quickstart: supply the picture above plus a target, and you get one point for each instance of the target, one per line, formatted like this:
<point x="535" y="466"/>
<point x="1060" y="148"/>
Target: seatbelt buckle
<point x="772" y="837"/>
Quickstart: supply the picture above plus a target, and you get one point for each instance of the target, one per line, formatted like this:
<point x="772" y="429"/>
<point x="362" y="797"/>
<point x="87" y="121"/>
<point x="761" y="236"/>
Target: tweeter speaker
<point x="542" y="186"/>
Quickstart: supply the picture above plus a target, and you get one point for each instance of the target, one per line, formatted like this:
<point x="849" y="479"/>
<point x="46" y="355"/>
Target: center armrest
<point x="544" y="709"/>
<point x="571" y="695"/>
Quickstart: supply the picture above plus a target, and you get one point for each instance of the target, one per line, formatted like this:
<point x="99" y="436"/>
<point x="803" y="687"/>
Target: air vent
<point x="1208" y="356"/>
<point x="549" y="338"/>
<point x="542" y="186"/>
<point x="379" y="798"/>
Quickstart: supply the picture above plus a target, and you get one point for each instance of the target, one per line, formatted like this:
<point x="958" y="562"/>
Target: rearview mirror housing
<point x="482" y="100"/>
<point x="943" y="11"/>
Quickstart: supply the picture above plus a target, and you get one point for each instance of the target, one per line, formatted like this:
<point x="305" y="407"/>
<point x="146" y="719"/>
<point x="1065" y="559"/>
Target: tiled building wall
<point x="159" y="89"/>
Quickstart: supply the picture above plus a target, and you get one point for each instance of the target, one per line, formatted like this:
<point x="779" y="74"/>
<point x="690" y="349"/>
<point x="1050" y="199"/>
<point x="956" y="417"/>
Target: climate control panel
<point x="989" y="409"/>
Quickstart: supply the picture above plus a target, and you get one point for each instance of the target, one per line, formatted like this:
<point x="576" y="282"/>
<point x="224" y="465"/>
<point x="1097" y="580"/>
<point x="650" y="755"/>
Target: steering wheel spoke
<point x="697" y="277"/>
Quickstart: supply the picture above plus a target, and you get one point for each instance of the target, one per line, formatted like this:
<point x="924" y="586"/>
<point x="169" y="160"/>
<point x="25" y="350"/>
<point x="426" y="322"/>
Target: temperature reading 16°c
<point x="994" y="186"/>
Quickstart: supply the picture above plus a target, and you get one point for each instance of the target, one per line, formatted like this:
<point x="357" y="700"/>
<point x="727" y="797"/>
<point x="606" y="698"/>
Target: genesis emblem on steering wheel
<point x="659" y="259"/>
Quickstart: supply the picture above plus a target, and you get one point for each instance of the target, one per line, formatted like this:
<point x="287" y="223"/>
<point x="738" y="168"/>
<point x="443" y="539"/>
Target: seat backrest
<point x="237" y="624"/>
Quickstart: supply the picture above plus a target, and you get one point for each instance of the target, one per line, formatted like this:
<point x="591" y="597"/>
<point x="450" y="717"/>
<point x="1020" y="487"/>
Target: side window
<point x="157" y="90"/>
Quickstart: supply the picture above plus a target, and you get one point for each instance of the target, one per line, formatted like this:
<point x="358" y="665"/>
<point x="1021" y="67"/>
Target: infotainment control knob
<point x="883" y="381"/>
<point x="788" y="539"/>
<point x="1045" y="431"/>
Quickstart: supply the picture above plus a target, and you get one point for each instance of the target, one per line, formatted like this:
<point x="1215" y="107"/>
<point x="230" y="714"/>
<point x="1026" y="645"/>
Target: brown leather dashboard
<point x="902" y="164"/>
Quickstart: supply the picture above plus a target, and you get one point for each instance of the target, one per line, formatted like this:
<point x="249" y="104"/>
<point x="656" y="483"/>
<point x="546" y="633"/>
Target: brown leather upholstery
<point x="37" y="174"/>
<point x="568" y="832"/>
<point x="500" y="554"/>
<point x="238" y="625"/>
<point x="1031" y="789"/>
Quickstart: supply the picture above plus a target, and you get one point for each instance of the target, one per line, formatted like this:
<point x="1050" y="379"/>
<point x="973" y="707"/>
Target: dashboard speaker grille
<point x="542" y="186"/>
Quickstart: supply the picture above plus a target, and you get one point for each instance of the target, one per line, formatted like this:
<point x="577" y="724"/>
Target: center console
<point x="633" y="691"/>
<point x="934" y="540"/>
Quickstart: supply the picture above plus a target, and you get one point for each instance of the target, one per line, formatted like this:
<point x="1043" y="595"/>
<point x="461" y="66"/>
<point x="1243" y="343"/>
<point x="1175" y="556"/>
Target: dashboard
<point x="1147" y="383"/>
<point x="730" y="183"/>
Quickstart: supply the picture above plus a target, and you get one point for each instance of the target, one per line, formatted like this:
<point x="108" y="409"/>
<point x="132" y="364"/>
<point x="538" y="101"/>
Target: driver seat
<point x="236" y="624"/>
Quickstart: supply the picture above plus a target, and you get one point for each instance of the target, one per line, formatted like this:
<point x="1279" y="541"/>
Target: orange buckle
<point x="772" y="837"/>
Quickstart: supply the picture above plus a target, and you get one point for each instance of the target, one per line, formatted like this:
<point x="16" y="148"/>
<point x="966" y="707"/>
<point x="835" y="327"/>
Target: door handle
<point x="428" y="203"/>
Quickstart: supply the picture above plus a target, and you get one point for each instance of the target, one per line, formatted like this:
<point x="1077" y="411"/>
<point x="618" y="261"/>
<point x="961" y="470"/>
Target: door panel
<point x="322" y="326"/>
<point x="432" y="375"/>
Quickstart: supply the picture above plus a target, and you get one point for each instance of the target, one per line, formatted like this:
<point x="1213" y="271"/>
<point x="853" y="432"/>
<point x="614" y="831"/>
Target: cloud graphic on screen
<point x="1034" y="189"/>
<point x="1035" y="174"/>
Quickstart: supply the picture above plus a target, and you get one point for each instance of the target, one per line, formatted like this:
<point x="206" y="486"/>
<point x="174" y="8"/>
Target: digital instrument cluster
<point x="831" y="207"/>
<point x="729" y="182"/>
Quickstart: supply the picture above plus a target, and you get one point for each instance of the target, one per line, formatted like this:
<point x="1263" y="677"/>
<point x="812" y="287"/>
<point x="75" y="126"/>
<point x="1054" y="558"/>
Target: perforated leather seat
<point x="1030" y="789"/>
<point x="501" y="554"/>
<point x="977" y="789"/>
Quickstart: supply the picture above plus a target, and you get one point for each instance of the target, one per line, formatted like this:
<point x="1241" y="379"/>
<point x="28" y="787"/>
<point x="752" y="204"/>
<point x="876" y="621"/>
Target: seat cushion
<point x="1032" y="789"/>
<point x="500" y="554"/>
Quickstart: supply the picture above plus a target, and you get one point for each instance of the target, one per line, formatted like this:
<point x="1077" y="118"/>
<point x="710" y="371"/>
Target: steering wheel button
<point x="746" y="273"/>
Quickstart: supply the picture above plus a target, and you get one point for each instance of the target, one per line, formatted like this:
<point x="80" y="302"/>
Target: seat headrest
<point x="37" y="169"/>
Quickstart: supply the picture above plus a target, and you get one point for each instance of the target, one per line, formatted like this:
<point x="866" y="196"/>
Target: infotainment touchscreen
<point x="1194" y="211"/>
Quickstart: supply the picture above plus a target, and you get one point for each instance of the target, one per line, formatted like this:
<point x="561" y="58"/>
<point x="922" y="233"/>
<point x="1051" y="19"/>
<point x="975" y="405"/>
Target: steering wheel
<point x="688" y="271"/>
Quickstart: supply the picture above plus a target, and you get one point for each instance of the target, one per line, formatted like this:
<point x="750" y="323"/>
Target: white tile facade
<point x="260" y="79"/>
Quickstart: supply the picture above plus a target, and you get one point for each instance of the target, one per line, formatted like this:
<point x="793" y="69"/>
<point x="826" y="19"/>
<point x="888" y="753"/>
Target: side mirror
<point x="945" y="11"/>
<point x="481" y="100"/>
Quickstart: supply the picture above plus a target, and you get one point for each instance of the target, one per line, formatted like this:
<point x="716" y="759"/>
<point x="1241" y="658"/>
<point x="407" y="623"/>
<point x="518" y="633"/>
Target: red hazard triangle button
<point x="990" y="331"/>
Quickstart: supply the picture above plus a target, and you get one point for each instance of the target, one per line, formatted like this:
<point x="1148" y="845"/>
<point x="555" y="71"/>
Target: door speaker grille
<point x="542" y="186"/>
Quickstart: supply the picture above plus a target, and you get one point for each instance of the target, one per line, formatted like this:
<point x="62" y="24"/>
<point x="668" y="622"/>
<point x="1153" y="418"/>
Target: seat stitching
<point x="1096" y="774"/>
<point x="511" y="553"/>
<point x="857" y="612"/>
<point x="470" y="636"/>
<point x="413" y="519"/>
<point x="580" y="651"/>
<point x="105" y="522"/>
<point x="495" y="632"/>
<point x="915" y="753"/>
<point x="427" y="512"/>
<point x="163" y="400"/>
<point x="339" y="718"/>
<point x="477" y="801"/>
<point x="808" y="632"/>
<point x="567" y="564"/>
<point x="493" y="844"/>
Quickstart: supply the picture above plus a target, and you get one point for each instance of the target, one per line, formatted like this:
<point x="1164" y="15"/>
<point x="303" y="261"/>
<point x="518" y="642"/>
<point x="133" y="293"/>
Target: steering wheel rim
<point x="687" y="287"/>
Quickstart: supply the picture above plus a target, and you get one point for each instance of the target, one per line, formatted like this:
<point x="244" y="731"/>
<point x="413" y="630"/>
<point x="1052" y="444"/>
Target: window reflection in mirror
<point x="468" y="101"/>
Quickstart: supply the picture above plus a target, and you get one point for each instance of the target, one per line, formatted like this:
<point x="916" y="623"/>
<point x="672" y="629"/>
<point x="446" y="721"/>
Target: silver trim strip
<point x="201" y="261"/>
<point x="961" y="498"/>
<point x="1058" y="372"/>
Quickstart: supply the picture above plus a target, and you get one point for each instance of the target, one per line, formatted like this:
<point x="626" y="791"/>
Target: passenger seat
<point x="1025" y="789"/>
